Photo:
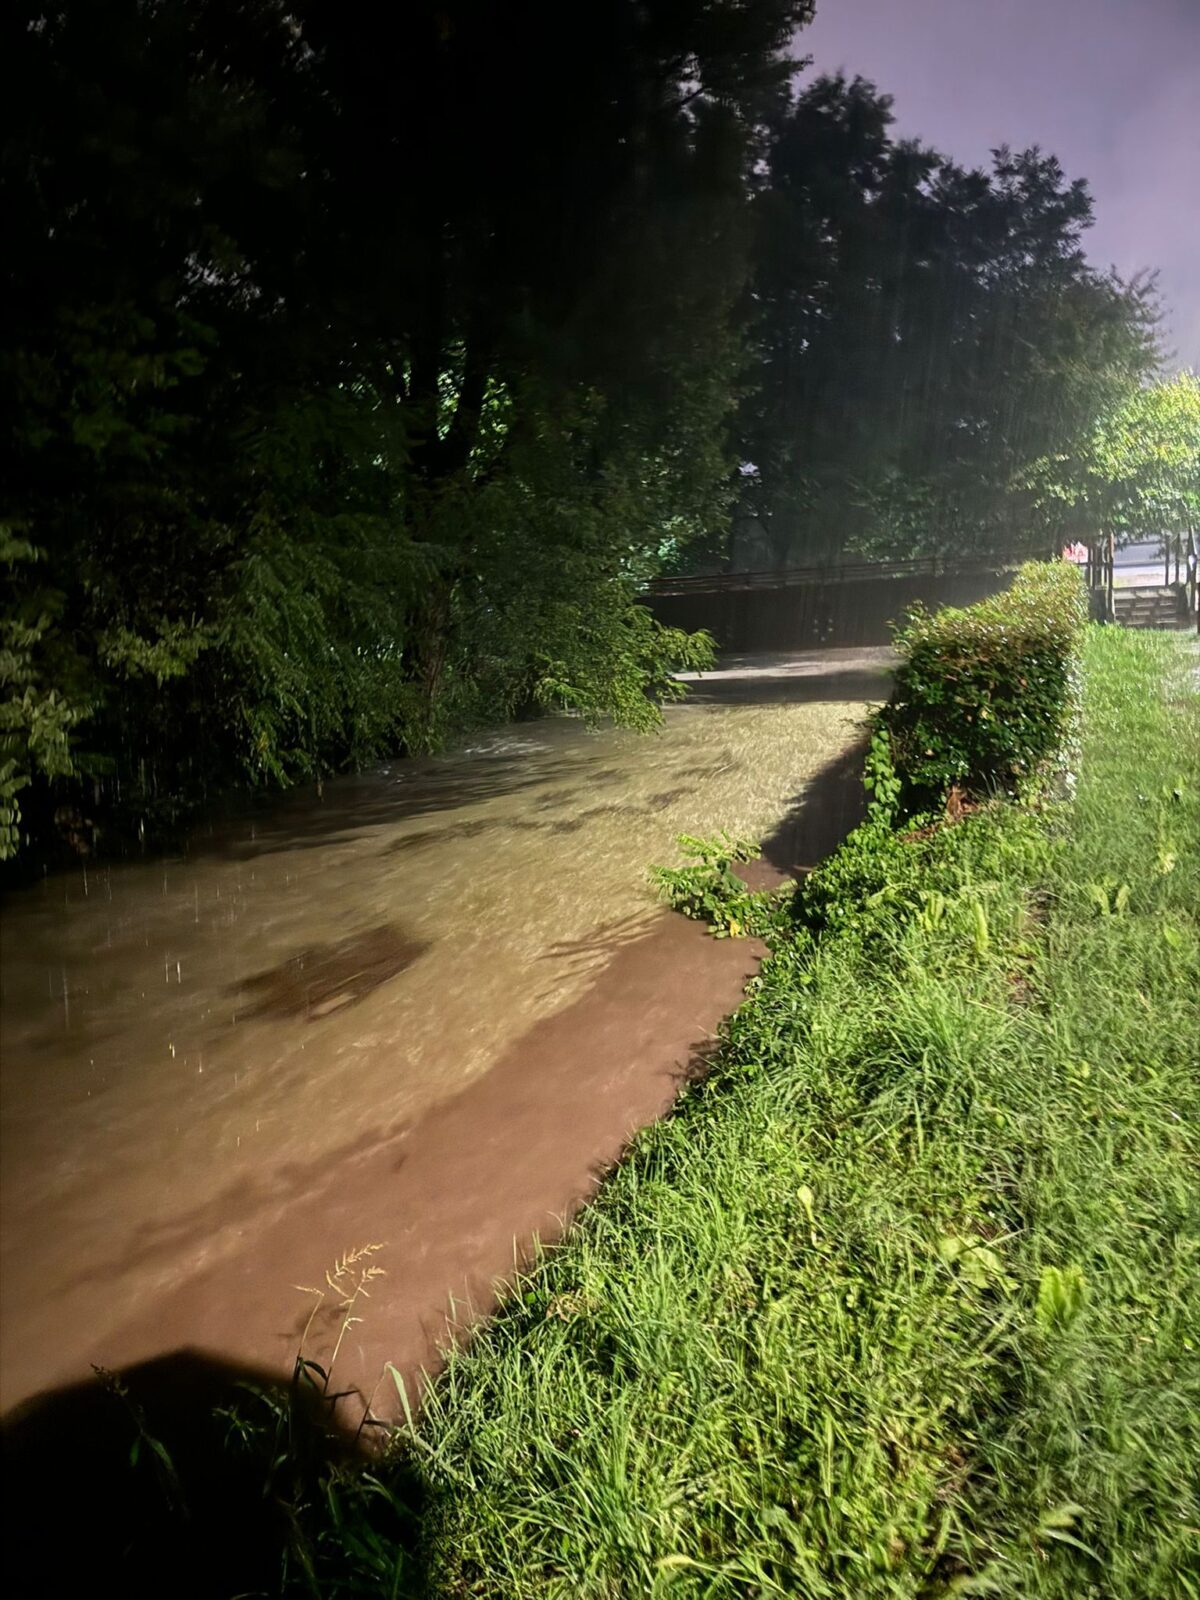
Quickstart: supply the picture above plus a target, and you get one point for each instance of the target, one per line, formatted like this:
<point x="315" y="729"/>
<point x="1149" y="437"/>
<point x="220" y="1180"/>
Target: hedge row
<point x="983" y="693"/>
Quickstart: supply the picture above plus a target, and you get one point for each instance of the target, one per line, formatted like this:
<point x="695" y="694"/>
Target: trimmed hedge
<point x="983" y="694"/>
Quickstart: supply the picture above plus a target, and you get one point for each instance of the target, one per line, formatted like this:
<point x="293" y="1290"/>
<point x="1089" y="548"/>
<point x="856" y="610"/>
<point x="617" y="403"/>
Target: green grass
<point x="905" y="1299"/>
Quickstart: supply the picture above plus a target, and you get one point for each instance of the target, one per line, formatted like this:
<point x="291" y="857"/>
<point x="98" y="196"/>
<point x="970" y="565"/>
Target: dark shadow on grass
<point x="148" y="1492"/>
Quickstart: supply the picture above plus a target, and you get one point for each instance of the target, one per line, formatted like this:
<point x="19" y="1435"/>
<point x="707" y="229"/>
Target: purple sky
<point x="1111" y="87"/>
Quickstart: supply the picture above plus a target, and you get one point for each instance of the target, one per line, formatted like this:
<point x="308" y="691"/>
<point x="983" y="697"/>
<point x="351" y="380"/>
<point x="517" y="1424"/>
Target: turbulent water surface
<point x="180" y="1034"/>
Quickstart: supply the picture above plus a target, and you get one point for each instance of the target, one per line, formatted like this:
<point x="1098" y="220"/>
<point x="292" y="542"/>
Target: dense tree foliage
<point x="923" y="334"/>
<point x="1136" y="473"/>
<point x="359" y="369"/>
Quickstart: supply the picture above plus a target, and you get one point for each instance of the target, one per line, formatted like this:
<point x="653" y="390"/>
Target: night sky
<point x="1111" y="87"/>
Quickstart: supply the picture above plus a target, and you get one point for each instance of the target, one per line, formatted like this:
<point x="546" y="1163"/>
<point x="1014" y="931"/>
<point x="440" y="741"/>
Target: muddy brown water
<point x="421" y="1010"/>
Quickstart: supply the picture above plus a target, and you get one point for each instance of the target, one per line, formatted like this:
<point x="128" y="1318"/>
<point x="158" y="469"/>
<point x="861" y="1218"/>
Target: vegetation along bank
<point x="903" y="1300"/>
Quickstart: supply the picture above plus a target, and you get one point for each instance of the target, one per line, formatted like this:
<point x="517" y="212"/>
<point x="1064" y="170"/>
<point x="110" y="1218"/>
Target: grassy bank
<point x="906" y="1298"/>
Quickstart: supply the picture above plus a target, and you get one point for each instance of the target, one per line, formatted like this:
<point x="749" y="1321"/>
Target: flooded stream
<point x="183" y="1039"/>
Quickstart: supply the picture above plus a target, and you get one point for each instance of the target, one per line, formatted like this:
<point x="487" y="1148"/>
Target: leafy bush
<point x="863" y="883"/>
<point x="709" y="890"/>
<point x="36" y="715"/>
<point x="880" y="779"/>
<point x="880" y="881"/>
<point x="983" y="694"/>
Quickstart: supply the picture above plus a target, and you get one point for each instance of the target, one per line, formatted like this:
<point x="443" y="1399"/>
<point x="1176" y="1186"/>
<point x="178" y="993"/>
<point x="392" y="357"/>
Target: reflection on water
<point x="182" y="1037"/>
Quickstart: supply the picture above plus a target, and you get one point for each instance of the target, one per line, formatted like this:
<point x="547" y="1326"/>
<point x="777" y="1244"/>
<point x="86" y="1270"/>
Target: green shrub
<point x="983" y="694"/>
<point x="709" y="890"/>
<point x="861" y="885"/>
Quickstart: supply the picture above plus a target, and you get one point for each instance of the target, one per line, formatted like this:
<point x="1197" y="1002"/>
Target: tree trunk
<point x="1109" y="603"/>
